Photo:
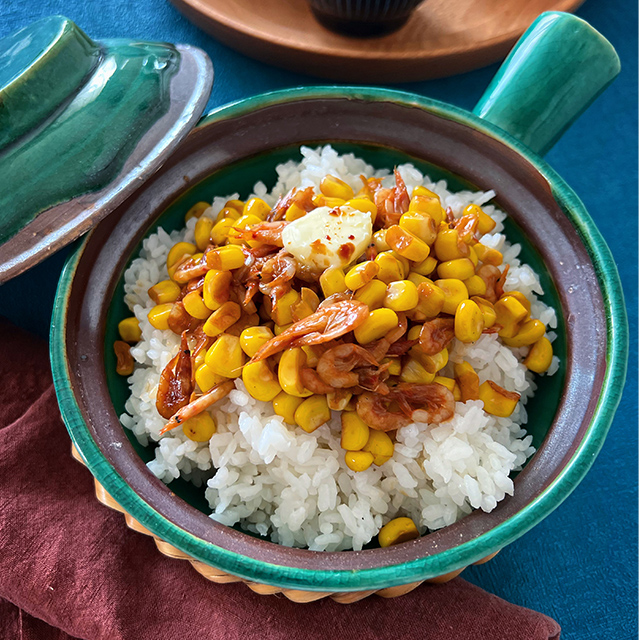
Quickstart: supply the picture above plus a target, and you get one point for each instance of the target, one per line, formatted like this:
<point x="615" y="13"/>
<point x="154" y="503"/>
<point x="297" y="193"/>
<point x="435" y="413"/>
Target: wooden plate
<point x="442" y="38"/>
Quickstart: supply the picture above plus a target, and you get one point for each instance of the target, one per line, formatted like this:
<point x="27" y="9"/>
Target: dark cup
<point x="363" y="17"/>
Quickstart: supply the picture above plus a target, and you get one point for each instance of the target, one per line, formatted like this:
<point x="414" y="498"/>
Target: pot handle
<point x="554" y="72"/>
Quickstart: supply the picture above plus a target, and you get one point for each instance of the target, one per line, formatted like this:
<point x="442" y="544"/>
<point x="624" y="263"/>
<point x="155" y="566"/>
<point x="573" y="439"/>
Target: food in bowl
<point x="344" y="357"/>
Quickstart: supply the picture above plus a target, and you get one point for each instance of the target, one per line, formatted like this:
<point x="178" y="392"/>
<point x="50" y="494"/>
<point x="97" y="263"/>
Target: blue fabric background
<point x="579" y="565"/>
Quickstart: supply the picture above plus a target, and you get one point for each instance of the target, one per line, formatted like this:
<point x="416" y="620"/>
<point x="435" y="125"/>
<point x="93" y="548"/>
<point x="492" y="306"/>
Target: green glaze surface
<point x="424" y="567"/>
<point x="41" y="66"/>
<point x="84" y="145"/>
<point x="555" y="71"/>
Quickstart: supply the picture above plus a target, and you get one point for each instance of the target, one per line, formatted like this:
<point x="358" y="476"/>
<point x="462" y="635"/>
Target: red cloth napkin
<point x="71" y="568"/>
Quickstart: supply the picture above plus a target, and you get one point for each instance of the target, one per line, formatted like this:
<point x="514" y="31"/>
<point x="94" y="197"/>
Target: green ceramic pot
<point x="236" y="145"/>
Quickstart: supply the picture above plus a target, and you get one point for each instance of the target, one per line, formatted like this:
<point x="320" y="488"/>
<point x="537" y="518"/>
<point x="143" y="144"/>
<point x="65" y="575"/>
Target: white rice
<point x="294" y="487"/>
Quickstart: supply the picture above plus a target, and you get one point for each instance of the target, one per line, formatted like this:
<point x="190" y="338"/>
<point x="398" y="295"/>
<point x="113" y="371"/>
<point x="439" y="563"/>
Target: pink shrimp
<point x="436" y="334"/>
<point x="392" y="203"/>
<point x="267" y="232"/>
<point x="336" y="365"/>
<point x="324" y="325"/>
<point x="301" y="197"/>
<point x="176" y="383"/>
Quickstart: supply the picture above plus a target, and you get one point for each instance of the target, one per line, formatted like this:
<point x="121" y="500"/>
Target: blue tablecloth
<point x="580" y="564"/>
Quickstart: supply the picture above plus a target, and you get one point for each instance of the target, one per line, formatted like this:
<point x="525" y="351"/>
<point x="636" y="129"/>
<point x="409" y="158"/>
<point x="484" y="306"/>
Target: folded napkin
<point x="70" y="568"/>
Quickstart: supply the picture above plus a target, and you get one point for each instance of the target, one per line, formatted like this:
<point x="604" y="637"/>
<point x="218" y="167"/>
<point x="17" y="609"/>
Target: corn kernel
<point x="333" y="187"/>
<point x="372" y="294"/>
<point x="461" y="268"/>
<point x="414" y="332"/>
<point x="282" y="312"/>
<point x="358" y="460"/>
<point x="376" y="326"/>
<point x="454" y="293"/>
<point x="196" y="211"/>
<point x="449" y="383"/>
<point x="238" y="205"/>
<point x="202" y="232"/>
<point x="487" y="310"/>
<point x="306" y="305"/>
<point x="279" y="328"/>
<point x="380" y="445"/>
<point x="449" y="246"/>
<point x="178" y="252"/>
<point x="520" y="297"/>
<point x="313" y="353"/>
<point x="432" y="363"/>
<point x="414" y="372"/>
<point x="129" y="329"/>
<point x="355" y="432"/>
<point x="285" y="405"/>
<point x="476" y="286"/>
<point x="498" y="401"/>
<point x="529" y="332"/>
<point x="252" y="339"/>
<point x="430" y="299"/>
<point x="425" y="267"/>
<point x="159" y="316"/>
<point x="540" y="356"/>
<point x="427" y="204"/>
<point x="256" y="207"/>
<point x="200" y="428"/>
<point x="293" y="212"/>
<point x="321" y="200"/>
<point x="406" y="244"/>
<point x="292" y="360"/>
<point x="332" y="281"/>
<point x="228" y="213"/>
<point x="195" y="306"/>
<point x="243" y="222"/>
<point x="468" y="380"/>
<point x="395" y="366"/>
<point x="339" y="399"/>
<point x="391" y="269"/>
<point x="488" y="255"/>
<point x="365" y="205"/>
<point x="416" y="278"/>
<point x="222" y="318"/>
<point x="396" y="531"/>
<point x="380" y="241"/>
<point x="225" y="356"/>
<point x="406" y="264"/>
<point x="486" y="224"/>
<point x="468" y="321"/>
<point x="226" y="258"/>
<point x="260" y="381"/>
<point x="165" y="291"/>
<point x="510" y="311"/>
<point x="220" y="231"/>
<point x="361" y="274"/>
<point x="206" y="379"/>
<point x="312" y="413"/>
<point x="402" y="295"/>
<point x="215" y="291"/>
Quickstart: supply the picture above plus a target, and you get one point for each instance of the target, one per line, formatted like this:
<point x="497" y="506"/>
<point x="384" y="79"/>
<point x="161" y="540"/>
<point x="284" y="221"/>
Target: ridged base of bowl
<point x="216" y="575"/>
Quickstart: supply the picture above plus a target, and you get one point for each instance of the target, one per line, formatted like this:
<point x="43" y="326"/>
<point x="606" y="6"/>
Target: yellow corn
<point x="226" y="258"/>
<point x="306" y="305"/>
<point x="358" y="460"/>
<point x="202" y="232"/>
<point x="361" y="274"/>
<point x="380" y="445"/>
<point x="313" y="353"/>
<point x="159" y="316"/>
<point x="396" y="531"/>
<point x="225" y="356"/>
<point x="365" y="205"/>
<point x="285" y="405"/>
<point x="380" y="241"/>
<point x="196" y="211"/>
<point x="509" y="313"/>
<point x="413" y="371"/>
<point x="312" y="413"/>
<point x="427" y="204"/>
<point x="468" y="321"/>
<point x="339" y="399"/>
<point x="228" y="213"/>
<point x="200" y="428"/>
<point x="406" y="264"/>
<point x="416" y="278"/>
<point x="379" y="322"/>
<point x="372" y="294"/>
<point x="256" y="207"/>
<point x="206" y="379"/>
<point x="129" y="329"/>
<point x="292" y="360"/>
<point x="164" y="291"/>
<point x="282" y="312"/>
<point x="252" y="339"/>
<point x="395" y="366"/>
<point x="420" y="225"/>
<point x="488" y="255"/>
<point x="333" y="187"/>
<point x="321" y="200"/>
<point x="294" y="211"/>
<point x="434" y="363"/>
<point x="179" y="251"/>
<point x="406" y="244"/>
<point x="402" y="295"/>
<point x="195" y="306"/>
<point x="498" y="401"/>
<point x="430" y="299"/>
<point x="486" y="224"/>
<point x="260" y="381"/>
<point x="449" y="246"/>
<point x="243" y="222"/>
<point x="215" y="291"/>
<point x="355" y="432"/>
<point x="473" y="256"/>
<point x="391" y="269"/>
<point x="454" y="293"/>
<point x="529" y="332"/>
<point x="220" y="231"/>
<point x="332" y="281"/>
<point x="449" y="383"/>
<point x="279" y="328"/>
<point x="238" y="205"/>
<point x="425" y="267"/>
<point x="414" y="332"/>
<point x="487" y="310"/>
<point x="461" y="268"/>
<point x="520" y="297"/>
<point x="539" y="357"/>
<point x="476" y="286"/>
<point x="468" y="380"/>
<point x="222" y="318"/>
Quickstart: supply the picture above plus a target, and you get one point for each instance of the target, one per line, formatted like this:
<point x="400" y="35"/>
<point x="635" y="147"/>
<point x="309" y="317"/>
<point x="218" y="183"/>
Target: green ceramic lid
<point x="82" y="125"/>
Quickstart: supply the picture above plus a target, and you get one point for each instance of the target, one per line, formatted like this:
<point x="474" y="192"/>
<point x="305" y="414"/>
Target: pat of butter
<point x="327" y="237"/>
